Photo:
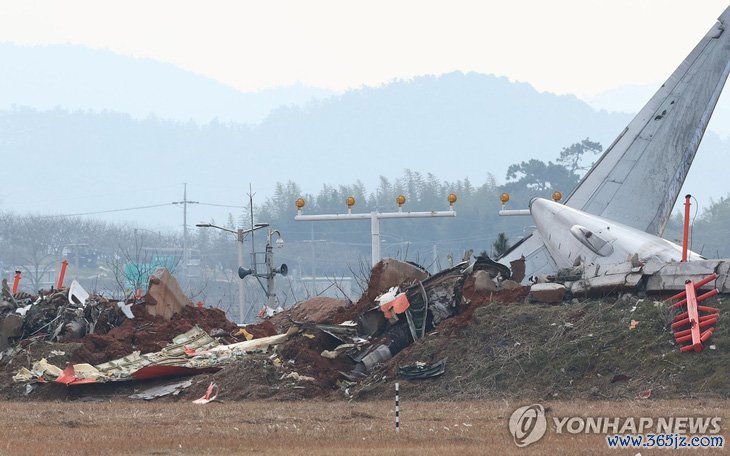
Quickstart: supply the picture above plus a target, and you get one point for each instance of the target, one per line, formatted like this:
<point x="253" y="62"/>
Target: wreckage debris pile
<point x="386" y="274"/>
<point x="479" y="298"/>
<point x="316" y="348"/>
<point x="103" y="327"/>
<point x="150" y="333"/>
<point x="54" y="316"/>
<point x="306" y="353"/>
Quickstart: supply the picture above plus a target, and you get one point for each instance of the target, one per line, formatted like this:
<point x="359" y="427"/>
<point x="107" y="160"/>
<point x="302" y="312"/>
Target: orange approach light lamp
<point x="350" y="201"/>
<point x="299" y="203"/>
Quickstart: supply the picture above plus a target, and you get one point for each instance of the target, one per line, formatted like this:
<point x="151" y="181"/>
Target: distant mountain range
<point x="76" y="136"/>
<point x="75" y="77"/>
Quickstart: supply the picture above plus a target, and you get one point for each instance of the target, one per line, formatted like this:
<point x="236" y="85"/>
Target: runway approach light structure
<point x="374" y="216"/>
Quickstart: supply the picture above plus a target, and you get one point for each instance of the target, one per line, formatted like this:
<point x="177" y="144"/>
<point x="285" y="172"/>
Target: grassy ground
<point x="583" y="350"/>
<point x="311" y="427"/>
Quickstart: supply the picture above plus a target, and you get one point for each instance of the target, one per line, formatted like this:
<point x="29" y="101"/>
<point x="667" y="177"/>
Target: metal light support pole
<point x="375" y="218"/>
<point x="375" y="234"/>
<point x="269" y="258"/>
<point x="240" y="236"/>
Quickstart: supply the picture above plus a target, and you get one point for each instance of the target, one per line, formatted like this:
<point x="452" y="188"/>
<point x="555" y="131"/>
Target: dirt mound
<point x="273" y="376"/>
<point x="253" y="377"/>
<point x="320" y="309"/>
<point x="584" y="350"/>
<point x="33" y="350"/>
<point x="305" y="352"/>
<point x="385" y="274"/>
<point x="148" y="333"/>
<point x="475" y="300"/>
<point x="263" y="329"/>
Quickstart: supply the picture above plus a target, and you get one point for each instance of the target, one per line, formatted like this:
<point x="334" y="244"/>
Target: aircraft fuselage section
<point x="572" y="236"/>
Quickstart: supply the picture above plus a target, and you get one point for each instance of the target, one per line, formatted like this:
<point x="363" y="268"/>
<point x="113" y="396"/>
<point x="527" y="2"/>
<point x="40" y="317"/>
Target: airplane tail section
<point x="637" y="180"/>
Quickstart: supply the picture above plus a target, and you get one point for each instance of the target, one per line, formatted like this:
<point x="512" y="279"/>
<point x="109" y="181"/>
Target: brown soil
<point x="366" y="301"/>
<point x="319" y="309"/>
<point x="306" y="354"/>
<point x="263" y="329"/>
<point x="474" y="300"/>
<point x="148" y="333"/>
<point x="256" y="376"/>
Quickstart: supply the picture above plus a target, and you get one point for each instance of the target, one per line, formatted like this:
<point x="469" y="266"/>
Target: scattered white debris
<point x="297" y="377"/>
<point x="23" y="310"/>
<point x="126" y="309"/>
<point x="78" y="292"/>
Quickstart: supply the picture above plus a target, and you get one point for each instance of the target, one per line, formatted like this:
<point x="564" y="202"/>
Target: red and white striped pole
<point x="397" y="408"/>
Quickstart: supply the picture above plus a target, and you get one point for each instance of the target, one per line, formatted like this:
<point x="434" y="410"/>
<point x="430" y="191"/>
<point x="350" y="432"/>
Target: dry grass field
<point x="309" y="427"/>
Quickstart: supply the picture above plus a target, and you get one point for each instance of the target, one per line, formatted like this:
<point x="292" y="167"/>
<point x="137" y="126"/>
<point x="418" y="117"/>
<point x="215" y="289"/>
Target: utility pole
<point x="185" y="203"/>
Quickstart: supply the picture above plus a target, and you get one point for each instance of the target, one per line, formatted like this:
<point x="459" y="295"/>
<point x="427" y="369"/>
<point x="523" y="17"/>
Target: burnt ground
<point x="498" y="347"/>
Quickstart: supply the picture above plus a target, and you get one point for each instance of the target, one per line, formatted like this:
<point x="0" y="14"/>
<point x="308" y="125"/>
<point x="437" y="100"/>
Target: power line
<point x="222" y="205"/>
<point x="112" y="210"/>
<point x="136" y="208"/>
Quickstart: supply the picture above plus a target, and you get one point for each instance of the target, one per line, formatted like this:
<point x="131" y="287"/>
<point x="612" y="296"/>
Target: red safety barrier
<point x="62" y="274"/>
<point x="697" y="285"/>
<point x="16" y="281"/>
<point x="690" y="327"/>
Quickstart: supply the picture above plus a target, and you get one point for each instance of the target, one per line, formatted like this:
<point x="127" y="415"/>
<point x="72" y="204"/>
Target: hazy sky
<point x="563" y="46"/>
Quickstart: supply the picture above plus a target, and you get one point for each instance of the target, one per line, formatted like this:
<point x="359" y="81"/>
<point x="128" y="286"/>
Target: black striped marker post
<point x="397" y="408"/>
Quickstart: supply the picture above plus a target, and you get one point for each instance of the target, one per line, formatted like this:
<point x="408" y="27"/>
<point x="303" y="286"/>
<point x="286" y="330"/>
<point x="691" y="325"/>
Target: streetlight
<point x="240" y="236"/>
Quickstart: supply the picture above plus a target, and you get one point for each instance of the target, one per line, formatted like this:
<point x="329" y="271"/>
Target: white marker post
<point x="397" y="408"/>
